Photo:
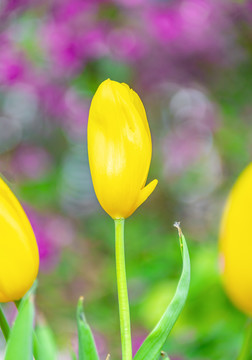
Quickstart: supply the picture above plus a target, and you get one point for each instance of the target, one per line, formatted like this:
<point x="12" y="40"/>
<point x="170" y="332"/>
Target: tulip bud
<point x="119" y="149"/>
<point x="236" y="243"/>
<point x="19" y="259"/>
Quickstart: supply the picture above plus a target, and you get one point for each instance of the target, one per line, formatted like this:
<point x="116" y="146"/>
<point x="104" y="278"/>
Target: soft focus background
<point x="191" y="63"/>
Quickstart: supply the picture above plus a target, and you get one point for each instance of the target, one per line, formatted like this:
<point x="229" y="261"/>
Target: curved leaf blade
<point x="46" y="349"/>
<point x="87" y="348"/>
<point x="153" y="344"/>
<point x="19" y="345"/>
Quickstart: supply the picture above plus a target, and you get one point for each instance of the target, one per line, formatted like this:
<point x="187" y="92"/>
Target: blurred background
<point x="191" y="63"/>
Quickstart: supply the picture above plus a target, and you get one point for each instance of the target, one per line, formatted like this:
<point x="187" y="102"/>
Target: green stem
<point x="4" y="324"/>
<point x="122" y="291"/>
<point x="246" y="350"/>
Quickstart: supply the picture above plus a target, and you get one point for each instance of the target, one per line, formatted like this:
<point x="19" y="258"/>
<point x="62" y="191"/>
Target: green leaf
<point x="153" y="344"/>
<point x="19" y="345"/>
<point x="87" y="349"/>
<point x="4" y="324"/>
<point x="46" y="349"/>
<point x="18" y="304"/>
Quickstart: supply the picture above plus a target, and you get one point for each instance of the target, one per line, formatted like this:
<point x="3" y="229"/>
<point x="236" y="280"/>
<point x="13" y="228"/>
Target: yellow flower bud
<point x="19" y="259"/>
<point x="119" y="149"/>
<point x="236" y="243"/>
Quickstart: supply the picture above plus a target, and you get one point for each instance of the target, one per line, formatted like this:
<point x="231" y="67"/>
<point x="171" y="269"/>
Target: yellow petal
<point x="19" y="259"/>
<point x="145" y="192"/>
<point x="236" y="243"/>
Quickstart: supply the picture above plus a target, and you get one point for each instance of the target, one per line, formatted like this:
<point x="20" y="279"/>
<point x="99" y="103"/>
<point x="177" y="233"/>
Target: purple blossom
<point x="131" y="3"/>
<point x="65" y="106"/>
<point x="52" y="233"/>
<point x="31" y="162"/>
<point x="76" y="116"/>
<point x="189" y="26"/>
<point x="70" y="46"/>
<point x="184" y="148"/>
<point x="10" y="6"/>
<point x="194" y="120"/>
<point x="93" y="40"/>
<point x="65" y="10"/>
<point x="13" y="67"/>
<point x="51" y="97"/>
<point x="126" y="44"/>
<point x="62" y="44"/>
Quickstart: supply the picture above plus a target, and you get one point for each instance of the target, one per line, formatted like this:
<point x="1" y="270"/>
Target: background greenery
<point x="191" y="63"/>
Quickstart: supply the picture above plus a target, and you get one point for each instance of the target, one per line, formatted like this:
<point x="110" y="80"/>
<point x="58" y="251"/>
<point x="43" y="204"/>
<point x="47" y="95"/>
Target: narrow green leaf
<point x="153" y="344"/>
<point x="46" y="345"/>
<point x="87" y="349"/>
<point x="19" y="303"/>
<point x="4" y="324"/>
<point x="19" y="345"/>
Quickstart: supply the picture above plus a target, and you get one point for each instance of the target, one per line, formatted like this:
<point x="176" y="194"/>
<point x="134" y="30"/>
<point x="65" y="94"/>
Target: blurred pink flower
<point x="166" y="24"/>
<point x="31" y="161"/>
<point x="71" y="45"/>
<point x="131" y="3"/>
<point x="75" y="119"/>
<point x="66" y="10"/>
<point x="184" y="149"/>
<point x="52" y="233"/>
<point x="189" y="26"/>
<point x="13" y="66"/>
<point x="194" y="119"/>
<point x="62" y="44"/>
<point x="93" y="41"/>
<point x="68" y="109"/>
<point x="9" y="6"/>
<point x="126" y="44"/>
<point x="51" y="97"/>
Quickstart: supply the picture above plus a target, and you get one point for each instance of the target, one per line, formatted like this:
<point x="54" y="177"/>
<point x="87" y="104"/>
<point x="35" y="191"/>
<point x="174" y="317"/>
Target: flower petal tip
<point x="146" y="191"/>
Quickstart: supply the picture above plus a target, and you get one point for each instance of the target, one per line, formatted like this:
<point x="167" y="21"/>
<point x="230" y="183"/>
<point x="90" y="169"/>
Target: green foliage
<point x="153" y="344"/>
<point x="19" y="345"/>
<point x="87" y="349"/>
<point x="73" y="356"/>
<point x="46" y="345"/>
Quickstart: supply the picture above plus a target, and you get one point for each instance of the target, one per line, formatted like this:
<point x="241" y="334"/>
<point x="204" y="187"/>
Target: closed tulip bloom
<point x="236" y="243"/>
<point x="19" y="259"/>
<point x="119" y="149"/>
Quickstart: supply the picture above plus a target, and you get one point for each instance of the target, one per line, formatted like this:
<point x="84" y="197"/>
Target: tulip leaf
<point x="4" y="324"/>
<point x="19" y="345"/>
<point x="87" y="348"/>
<point x="153" y="344"/>
<point x="46" y="349"/>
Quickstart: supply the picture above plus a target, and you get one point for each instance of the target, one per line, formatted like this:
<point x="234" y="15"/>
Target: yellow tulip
<point x="236" y="243"/>
<point x="19" y="259"/>
<point x="119" y="149"/>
